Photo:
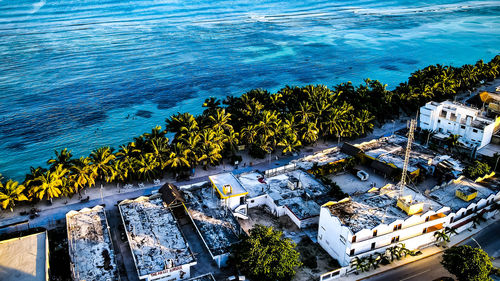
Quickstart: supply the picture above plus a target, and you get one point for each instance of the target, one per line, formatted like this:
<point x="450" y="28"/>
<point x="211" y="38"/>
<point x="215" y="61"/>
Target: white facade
<point x="415" y="231"/>
<point x="342" y="244"/>
<point x="447" y="117"/>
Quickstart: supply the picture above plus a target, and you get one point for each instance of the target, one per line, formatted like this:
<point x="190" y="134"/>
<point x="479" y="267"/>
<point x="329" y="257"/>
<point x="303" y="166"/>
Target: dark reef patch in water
<point x="16" y="146"/>
<point x="144" y="113"/>
<point x="389" y="67"/>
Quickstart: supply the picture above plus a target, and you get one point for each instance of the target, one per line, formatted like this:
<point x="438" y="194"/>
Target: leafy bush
<point x="467" y="263"/>
<point x="265" y="255"/>
<point x="476" y="170"/>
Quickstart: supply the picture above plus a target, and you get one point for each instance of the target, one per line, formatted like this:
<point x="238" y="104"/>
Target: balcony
<point x="437" y="216"/>
<point x="433" y="221"/>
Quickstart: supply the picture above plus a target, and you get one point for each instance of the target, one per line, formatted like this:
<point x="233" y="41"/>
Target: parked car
<point x="362" y="175"/>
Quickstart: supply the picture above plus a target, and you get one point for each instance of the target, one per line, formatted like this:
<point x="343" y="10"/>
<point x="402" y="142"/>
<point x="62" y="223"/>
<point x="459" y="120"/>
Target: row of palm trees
<point x="262" y="122"/>
<point x="390" y="254"/>
<point x="438" y="82"/>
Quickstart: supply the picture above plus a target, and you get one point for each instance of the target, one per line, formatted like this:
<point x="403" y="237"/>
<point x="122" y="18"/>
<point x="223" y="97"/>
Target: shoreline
<point x="267" y="128"/>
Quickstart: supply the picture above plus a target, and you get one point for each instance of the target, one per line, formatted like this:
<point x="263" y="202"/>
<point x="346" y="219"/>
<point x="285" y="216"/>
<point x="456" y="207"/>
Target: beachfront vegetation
<point x="476" y="170"/>
<point x="259" y="122"/>
<point x="265" y="255"/>
<point x="467" y="263"/>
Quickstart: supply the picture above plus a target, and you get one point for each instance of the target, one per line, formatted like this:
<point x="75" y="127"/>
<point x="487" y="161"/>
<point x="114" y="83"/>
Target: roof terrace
<point x="90" y="246"/>
<point x="447" y="195"/>
<point x="227" y="185"/>
<point x="369" y="209"/>
<point x="217" y="225"/>
<point x="155" y="239"/>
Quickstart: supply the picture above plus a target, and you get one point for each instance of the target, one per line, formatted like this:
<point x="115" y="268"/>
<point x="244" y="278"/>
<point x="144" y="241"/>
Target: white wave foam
<point x="37" y="6"/>
<point x="428" y="9"/>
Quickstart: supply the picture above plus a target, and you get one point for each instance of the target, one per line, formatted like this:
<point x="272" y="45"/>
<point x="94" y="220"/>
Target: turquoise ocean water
<point x="88" y="73"/>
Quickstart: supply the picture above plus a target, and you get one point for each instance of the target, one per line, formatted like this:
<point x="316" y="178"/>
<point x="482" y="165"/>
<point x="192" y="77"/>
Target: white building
<point x="287" y="192"/>
<point x="466" y="200"/>
<point x="89" y="244"/>
<point x="158" y="246"/>
<point x="447" y="117"/>
<point x="25" y="258"/>
<point x="372" y="221"/>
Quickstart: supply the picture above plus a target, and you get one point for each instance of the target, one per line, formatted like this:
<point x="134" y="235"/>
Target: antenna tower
<point x="402" y="183"/>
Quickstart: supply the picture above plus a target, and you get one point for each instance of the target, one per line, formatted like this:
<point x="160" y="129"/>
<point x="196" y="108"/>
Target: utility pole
<point x="411" y="130"/>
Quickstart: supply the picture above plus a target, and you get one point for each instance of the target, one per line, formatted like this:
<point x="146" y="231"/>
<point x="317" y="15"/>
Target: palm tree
<point x="212" y="104"/>
<point x="178" y="160"/>
<point x="50" y="183"/>
<point x="101" y="163"/>
<point x="309" y="133"/>
<point x="182" y="125"/>
<point x="477" y="219"/>
<point x="444" y="235"/>
<point x="81" y="174"/>
<point x="147" y="167"/>
<point x="452" y="141"/>
<point x="32" y="175"/>
<point x="11" y="193"/>
<point x="220" y="120"/>
<point x="393" y="252"/>
<point x="63" y="157"/>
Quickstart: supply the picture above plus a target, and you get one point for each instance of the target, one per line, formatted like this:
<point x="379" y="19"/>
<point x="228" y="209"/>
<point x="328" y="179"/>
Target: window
<point x="395" y="228"/>
<point x="352" y="252"/>
<point x="451" y="219"/>
<point x="395" y="239"/>
<point x="462" y="127"/>
<point x="373" y="245"/>
<point x="427" y="218"/>
<point x="251" y="201"/>
<point x="320" y="237"/>
<point x="424" y="231"/>
<point x="439" y="121"/>
<point x="374" y="233"/>
<point x="342" y="239"/>
<point x="354" y="239"/>
<point x="474" y="130"/>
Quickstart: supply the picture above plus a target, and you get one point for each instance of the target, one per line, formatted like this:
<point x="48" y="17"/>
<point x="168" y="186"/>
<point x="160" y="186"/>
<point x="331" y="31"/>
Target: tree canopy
<point x="477" y="169"/>
<point x="260" y="121"/>
<point x="467" y="263"/>
<point x="266" y="255"/>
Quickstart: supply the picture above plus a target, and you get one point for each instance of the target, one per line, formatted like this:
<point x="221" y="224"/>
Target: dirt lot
<point x="316" y="260"/>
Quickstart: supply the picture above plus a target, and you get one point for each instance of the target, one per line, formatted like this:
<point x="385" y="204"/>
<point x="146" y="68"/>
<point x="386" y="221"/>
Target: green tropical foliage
<point x="467" y="263"/>
<point x="262" y="122"/>
<point x="10" y="194"/>
<point x="476" y="170"/>
<point x="266" y="255"/>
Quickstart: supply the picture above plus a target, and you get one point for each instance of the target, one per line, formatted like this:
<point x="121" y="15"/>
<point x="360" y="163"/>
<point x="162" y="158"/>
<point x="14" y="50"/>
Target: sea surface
<point x="88" y="73"/>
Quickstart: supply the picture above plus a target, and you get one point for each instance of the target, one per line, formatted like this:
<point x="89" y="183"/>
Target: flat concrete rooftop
<point x="234" y="187"/>
<point x="155" y="239"/>
<point x="369" y="209"/>
<point x="446" y="195"/>
<point x="216" y="225"/>
<point x="24" y="258"/>
<point x="320" y="158"/>
<point x="89" y="244"/>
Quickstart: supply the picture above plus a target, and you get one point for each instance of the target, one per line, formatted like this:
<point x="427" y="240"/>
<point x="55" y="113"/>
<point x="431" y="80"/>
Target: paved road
<point x="430" y="268"/>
